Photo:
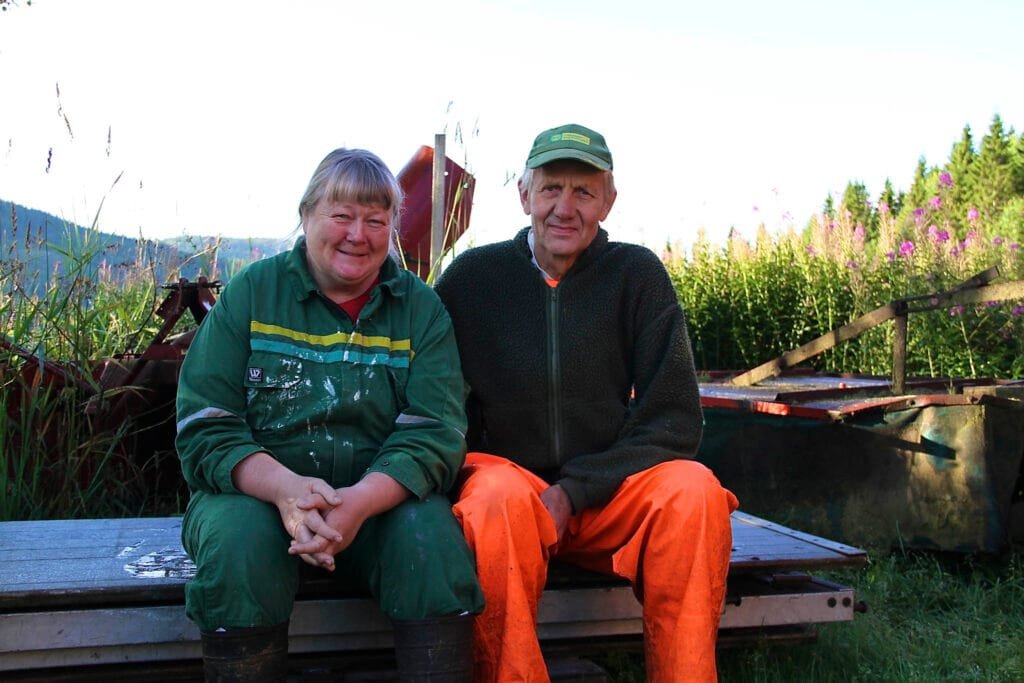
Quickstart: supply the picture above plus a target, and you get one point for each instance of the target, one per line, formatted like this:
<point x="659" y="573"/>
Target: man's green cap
<point x="571" y="141"/>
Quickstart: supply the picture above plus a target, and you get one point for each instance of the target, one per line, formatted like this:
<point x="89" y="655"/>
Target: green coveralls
<point x="276" y="367"/>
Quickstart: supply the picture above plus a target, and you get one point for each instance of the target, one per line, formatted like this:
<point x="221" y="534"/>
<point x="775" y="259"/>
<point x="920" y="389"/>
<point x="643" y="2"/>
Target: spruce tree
<point x="889" y="198"/>
<point x="856" y="201"/>
<point x="915" y="201"/>
<point x="992" y="173"/>
<point x="960" y="196"/>
<point x="829" y="208"/>
<point x="917" y="197"/>
<point x="1017" y="162"/>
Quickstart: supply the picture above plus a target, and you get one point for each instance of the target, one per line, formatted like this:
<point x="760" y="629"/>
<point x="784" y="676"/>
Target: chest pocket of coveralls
<point x="273" y="391"/>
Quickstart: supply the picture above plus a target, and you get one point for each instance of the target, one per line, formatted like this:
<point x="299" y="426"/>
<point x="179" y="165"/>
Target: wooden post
<point x="814" y="347"/>
<point x="437" y="216"/>
<point x="973" y="291"/>
<point x="899" y="351"/>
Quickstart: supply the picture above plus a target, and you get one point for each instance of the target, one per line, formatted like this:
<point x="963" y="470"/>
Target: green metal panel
<point x="937" y="472"/>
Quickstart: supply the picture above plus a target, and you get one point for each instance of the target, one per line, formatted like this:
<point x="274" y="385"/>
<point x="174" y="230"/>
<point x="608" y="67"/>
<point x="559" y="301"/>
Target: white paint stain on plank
<point x="167" y="563"/>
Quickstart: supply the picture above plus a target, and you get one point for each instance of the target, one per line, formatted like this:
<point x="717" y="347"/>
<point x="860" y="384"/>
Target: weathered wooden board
<point x="112" y="561"/>
<point x="79" y="562"/>
<point x="163" y="633"/>
<point x="759" y="545"/>
<point x="110" y="592"/>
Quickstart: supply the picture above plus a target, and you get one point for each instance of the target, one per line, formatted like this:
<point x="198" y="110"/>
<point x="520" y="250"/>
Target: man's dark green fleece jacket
<point x="585" y="383"/>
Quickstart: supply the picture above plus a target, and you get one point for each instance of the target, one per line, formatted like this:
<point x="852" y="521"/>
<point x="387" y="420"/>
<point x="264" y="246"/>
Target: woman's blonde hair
<point x="359" y="176"/>
<point x="353" y="175"/>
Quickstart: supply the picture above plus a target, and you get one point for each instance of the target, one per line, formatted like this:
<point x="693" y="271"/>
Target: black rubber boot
<point x="439" y="649"/>
<point x="246" y="655"/>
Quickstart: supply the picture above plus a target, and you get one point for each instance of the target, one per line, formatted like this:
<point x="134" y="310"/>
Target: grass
<point x="930" y="618"/>
<point x="61" y="455"/>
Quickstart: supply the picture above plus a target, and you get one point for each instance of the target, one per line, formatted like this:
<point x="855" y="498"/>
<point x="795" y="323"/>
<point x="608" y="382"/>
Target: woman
<point x="320" y="419"/>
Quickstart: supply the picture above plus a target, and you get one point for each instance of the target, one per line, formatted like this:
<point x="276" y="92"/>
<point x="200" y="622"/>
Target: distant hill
<point x="40" y="246"/>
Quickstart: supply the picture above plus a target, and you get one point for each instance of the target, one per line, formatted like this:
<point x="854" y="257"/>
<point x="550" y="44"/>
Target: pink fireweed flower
<point x="891" y="255"/>
<point x="937" y="235"/>
<point x="997" y="240"/>
<point x="972" y="214"/>
<point x="906" y="248"/>
<point x="945" y="179"/>
<point x="918" y="212"/>
<point x="935" y="202"/>
<point x="956" y="310"/>
<point x="1014" y="246"/>
<point x="883" y="207"/>
<point x="1018" y="310"/>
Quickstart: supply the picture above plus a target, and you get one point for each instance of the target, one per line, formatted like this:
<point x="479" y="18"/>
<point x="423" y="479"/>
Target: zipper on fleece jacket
<point x="554" y="375"/>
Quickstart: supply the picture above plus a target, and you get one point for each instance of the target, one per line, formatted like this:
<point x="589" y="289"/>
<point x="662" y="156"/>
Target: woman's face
<point x="346" y="244"/>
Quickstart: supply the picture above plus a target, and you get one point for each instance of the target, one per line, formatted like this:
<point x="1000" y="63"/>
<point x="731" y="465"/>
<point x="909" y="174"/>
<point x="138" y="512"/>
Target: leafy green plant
<point x="929" y="618"/>
<point x="60" y="453"/>
<point x="747" y="304"/>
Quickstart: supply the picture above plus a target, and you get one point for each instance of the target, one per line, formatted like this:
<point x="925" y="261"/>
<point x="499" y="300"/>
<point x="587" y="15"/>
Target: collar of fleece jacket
<point x="586" y="257"/>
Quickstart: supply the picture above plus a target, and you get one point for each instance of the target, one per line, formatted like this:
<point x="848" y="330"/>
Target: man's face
<point x="566" y="200"/>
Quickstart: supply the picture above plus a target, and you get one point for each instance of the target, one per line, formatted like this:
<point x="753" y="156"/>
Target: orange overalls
<point x="666" y="530"/>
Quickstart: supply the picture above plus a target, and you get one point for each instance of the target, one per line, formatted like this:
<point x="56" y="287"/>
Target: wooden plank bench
<point x="102" y="593"/>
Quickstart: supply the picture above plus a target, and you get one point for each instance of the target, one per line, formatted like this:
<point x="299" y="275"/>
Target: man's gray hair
<point x="526" y="180"/>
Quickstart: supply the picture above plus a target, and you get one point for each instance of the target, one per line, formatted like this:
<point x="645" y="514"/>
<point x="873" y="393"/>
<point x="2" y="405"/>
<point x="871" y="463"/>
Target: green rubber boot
<point x="438" y="650"/>
<point x="249" y="655"/>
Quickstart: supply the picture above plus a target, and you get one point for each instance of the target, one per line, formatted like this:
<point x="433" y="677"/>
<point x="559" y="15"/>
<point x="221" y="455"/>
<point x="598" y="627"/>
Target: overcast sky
<point x="719" y="114"/>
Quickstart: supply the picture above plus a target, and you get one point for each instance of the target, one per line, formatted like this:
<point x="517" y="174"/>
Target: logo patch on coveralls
<point x="255" y="374"/>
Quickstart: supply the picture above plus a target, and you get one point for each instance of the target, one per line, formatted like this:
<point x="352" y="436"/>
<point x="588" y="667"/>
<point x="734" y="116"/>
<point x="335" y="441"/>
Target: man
<point x="584" y="418"/>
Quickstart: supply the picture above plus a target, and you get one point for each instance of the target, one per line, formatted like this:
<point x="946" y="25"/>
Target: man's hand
<point x="556" y="500"/>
